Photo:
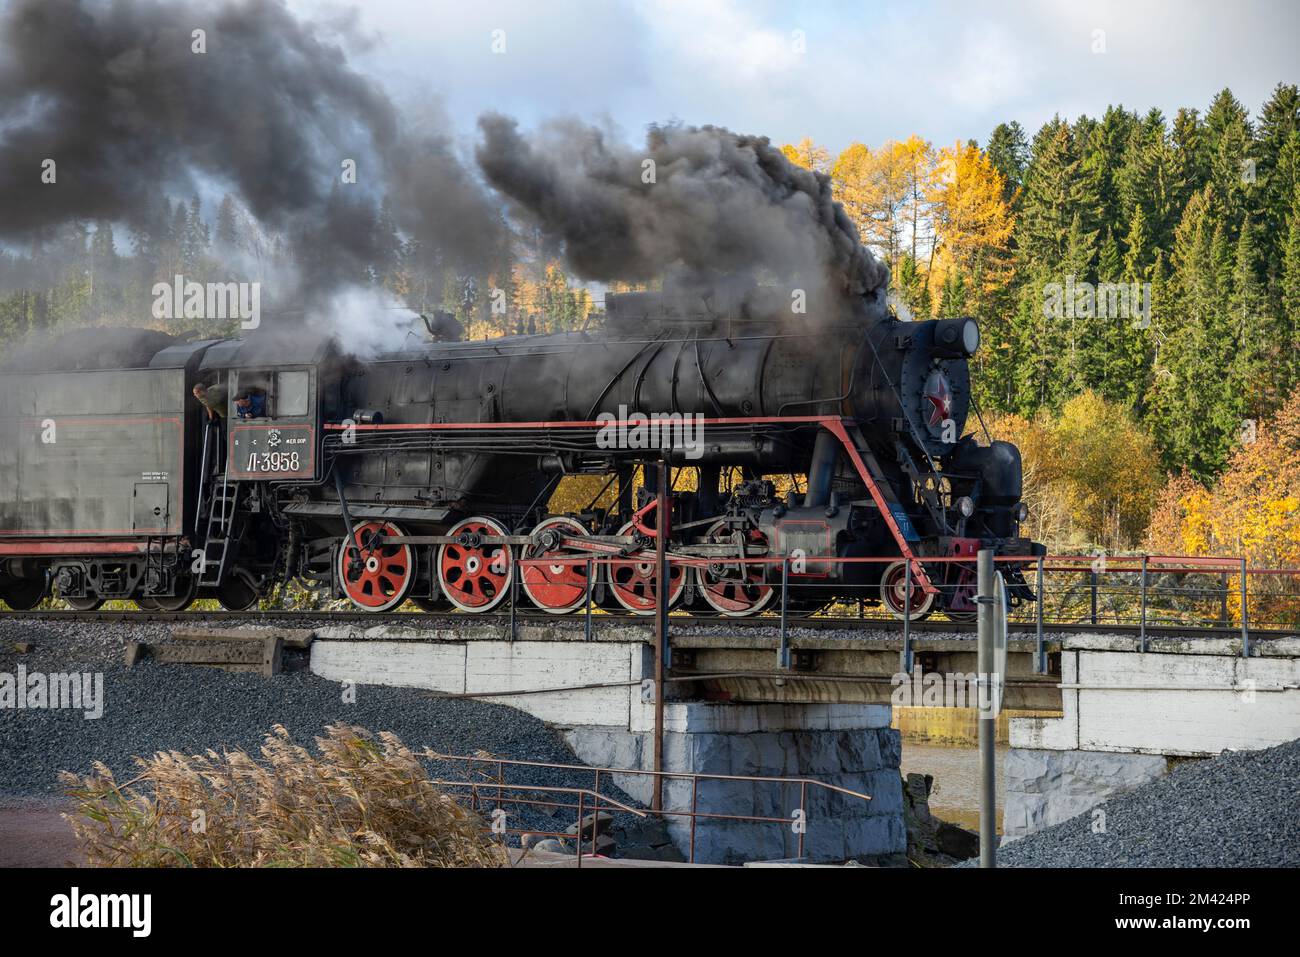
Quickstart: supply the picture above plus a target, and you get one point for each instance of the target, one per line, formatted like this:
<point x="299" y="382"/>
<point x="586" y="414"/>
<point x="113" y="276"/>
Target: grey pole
<point x="987" y="720"/>
<point x="905" y="656"/>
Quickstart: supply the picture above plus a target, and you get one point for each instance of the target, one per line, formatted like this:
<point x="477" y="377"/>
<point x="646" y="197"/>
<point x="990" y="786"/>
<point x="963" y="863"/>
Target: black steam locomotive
<point x="425" y="473"/>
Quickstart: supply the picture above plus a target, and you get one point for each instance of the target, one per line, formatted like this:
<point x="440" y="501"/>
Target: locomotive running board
<point x="864" y="460"/>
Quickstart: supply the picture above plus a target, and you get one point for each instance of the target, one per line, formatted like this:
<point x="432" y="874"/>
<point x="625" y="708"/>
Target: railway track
<point x="434" y="620"/>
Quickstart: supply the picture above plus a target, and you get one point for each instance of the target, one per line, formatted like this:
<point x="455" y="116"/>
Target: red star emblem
<point x="941" y="399"/>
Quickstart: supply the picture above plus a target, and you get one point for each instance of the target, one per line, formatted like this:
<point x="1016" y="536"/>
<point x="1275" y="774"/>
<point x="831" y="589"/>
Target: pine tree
<point x="1138" y="251"/>
<point x="1103" y="159"/>
<point x="1256" y="372"/>
<point x="955" y="300"/>
<point x="1229" y="141"/>
<point x="227" y="233"/>
<point x="1054" y="195"/>
<point x="197" y="237"/>
<point x="1197" y="402"/>
<point x="1148" y="179"/>
<point x="1190" y="171"/>
<point x="911" y="288"/>
<point x="1290" y="296"/>
<point x="1277" y="151"/>
<point x="1008" y="151"/>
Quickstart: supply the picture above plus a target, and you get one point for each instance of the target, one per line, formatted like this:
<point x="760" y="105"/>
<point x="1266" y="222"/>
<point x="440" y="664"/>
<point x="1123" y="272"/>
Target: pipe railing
<point x="495" y="789"/>
<point x="1142" y="592"/>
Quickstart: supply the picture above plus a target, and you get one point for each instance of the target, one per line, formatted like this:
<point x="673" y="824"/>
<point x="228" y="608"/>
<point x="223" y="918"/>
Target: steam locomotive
<point x="424" y="473"/>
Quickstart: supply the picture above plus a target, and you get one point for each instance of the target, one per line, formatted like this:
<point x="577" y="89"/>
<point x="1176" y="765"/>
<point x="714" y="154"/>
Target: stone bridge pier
<point x="599" y="695"/>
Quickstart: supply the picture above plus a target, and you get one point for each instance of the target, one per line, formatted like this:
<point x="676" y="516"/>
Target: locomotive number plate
<point x="272" y="452"/>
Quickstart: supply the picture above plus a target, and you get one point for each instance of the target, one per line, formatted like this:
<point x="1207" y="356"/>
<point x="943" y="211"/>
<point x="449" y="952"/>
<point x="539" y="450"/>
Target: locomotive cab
<point x="280" y="443"/>
<point x="276" y="439"/>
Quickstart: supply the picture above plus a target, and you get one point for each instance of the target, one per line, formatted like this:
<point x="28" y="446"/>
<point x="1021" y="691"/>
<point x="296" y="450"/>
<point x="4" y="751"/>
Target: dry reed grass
<point x="364" y="801"/>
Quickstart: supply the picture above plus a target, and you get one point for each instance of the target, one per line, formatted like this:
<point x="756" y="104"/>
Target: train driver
<point x="250" y="404"/>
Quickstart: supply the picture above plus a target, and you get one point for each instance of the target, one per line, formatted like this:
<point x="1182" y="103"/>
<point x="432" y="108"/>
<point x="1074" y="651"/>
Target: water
<point x="956" y="792"/>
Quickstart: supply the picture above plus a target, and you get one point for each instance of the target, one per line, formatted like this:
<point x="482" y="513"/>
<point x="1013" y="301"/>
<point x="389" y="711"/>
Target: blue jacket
<point x="256" y="407"/>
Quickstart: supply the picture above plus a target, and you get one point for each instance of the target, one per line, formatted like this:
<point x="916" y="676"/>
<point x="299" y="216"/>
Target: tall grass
<point x="363" y="801"/>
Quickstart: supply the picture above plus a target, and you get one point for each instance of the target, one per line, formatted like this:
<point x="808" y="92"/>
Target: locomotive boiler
<point x="425" y="473"/>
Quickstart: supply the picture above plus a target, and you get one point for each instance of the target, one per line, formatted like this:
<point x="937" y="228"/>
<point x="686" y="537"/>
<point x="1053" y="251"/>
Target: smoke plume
<point x="117" y="96"/>
<point x="126" y="99"/>
<point x="701" y="204"/>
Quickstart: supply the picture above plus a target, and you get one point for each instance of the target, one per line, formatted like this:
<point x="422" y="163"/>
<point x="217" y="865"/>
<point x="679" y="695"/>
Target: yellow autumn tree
<point x="1091" y="474"/>
<point x="920" y="173"/>
<point x="809" y="155"/>
<point x="973" y="221"/>
<point x="872" y="188"/>
<point x="1252" y="512"/>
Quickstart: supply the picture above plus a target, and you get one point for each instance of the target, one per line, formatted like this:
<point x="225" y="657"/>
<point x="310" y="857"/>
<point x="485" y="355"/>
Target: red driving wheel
<point x="475" y="577"/>
<point x="634" y="582"/>
<point x="894" y="593"/>
<point x="560" y="587"/>
<point x="376" y="575"/>
<point x="731" y="592"/>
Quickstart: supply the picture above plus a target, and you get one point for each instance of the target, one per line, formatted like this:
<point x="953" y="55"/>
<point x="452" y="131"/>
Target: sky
<point x="834" y="70"/>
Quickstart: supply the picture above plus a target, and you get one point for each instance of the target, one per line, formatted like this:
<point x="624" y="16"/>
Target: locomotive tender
<point x="424" y="473"/>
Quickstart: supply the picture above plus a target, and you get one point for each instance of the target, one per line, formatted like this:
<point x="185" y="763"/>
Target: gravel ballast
<point x="1241" y="809"/>
<point x="154" y="707"/>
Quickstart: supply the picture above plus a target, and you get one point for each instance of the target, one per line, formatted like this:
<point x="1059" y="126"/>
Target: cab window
<point x="291" y="394"/>
<point x="285" y="393"/>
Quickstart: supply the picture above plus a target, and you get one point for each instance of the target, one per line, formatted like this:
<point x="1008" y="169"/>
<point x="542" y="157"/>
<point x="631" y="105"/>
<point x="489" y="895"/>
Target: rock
<point x="1044" y="788"/>
<point x="24" y="647"/>
<point x="667" y="853"/>
<point x="957" y="841"/>
<point x="552" y="846"/>
<point x="930" y="841"/>
<point x="600" y="821"/>
<point x="605" y="846"/>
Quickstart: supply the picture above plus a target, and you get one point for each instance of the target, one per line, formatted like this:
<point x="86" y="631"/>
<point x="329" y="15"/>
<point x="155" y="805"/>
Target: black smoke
<point x="700" y="204"/>
<point x="113" y="92"/>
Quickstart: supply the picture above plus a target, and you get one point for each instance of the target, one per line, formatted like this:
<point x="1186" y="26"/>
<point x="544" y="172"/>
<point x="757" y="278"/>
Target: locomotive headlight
<point x="956" y="338"/>
<point x="966" y="506"/>
<point x="1022" y="512"/>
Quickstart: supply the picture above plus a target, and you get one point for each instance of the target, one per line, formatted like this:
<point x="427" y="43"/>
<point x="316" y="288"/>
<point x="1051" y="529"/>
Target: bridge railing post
<point x="1245" y="613"/>
<point x="783" y="652"/>
<point x="1093" y="580"/>
<point x="1040" y="655"/>
<point x="1143" y="593"/>
<point x="587" y="623"/>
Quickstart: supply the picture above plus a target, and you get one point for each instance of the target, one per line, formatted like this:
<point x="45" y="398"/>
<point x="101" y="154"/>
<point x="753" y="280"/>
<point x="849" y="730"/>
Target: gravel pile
<point x="1241" y="809"/>
<point x="154" y="707"/>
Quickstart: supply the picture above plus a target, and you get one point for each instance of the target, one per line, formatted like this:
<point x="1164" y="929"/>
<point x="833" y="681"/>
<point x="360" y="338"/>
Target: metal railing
<point x="1141" y="592"/>
<point x="495" y="789"/>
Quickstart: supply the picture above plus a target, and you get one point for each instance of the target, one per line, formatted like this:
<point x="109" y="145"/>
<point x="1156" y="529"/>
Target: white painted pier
<point x="1127" y="714"/>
